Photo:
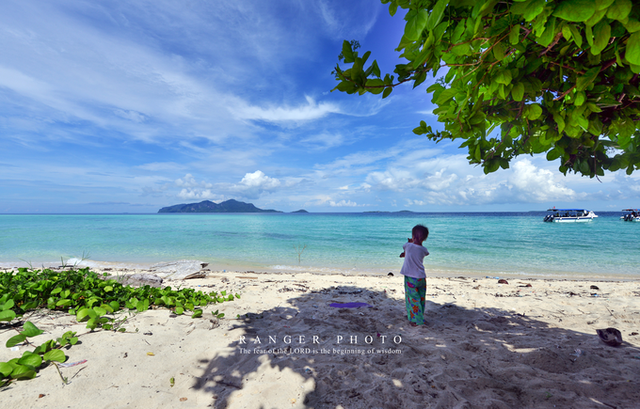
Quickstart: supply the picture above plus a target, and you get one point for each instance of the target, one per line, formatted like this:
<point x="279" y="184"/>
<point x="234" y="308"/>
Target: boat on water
<point x="630" y="215"/>
<point x="569" y="215"/>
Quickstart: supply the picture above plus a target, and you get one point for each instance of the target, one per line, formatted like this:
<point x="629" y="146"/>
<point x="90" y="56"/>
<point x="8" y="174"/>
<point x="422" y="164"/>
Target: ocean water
<point x="486" y="244"/>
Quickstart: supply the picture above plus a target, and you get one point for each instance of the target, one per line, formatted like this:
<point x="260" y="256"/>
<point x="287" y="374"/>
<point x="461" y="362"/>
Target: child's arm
<point x="409" y="240"/>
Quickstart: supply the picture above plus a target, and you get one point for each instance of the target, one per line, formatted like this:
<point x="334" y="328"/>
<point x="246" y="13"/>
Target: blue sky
<point x="113" y="107"/>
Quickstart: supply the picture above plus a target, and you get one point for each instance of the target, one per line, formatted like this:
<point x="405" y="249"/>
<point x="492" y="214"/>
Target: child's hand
<point x="402" y="255"/>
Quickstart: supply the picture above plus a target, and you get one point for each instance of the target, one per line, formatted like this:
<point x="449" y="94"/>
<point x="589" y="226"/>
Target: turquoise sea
<point x="486" y="244"/>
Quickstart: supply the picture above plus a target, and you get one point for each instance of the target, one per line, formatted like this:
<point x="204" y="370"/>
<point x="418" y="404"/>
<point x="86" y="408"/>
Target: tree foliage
<point x="521" y="77"/>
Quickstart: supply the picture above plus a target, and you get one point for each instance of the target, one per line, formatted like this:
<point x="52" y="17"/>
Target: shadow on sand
<point x="372" y="358"/>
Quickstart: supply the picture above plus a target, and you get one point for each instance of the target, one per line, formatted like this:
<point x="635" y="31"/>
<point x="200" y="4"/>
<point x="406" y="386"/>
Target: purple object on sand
<point x="350" y="305"/>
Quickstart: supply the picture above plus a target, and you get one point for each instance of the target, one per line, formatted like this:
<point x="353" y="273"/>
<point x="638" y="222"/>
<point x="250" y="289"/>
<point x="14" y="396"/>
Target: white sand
<point x="486" y="345"/>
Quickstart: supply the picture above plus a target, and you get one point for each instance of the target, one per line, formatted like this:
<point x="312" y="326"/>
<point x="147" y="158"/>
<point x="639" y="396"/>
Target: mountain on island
<point x="229" y="206"/>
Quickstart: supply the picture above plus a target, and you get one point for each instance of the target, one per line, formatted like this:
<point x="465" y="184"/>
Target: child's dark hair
<point x="421" y="232"/>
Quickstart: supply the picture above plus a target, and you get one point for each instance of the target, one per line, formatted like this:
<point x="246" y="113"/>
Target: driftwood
<point x="137" y="280"/>
<point x="199" y="274"/>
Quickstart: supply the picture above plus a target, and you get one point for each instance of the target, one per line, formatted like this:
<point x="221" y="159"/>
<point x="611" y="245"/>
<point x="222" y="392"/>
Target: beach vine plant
<point x="91" y="298"/>
<point x="27" y="366"/>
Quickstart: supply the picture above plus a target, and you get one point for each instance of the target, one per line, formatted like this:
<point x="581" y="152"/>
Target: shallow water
<point x="495" y="244"/>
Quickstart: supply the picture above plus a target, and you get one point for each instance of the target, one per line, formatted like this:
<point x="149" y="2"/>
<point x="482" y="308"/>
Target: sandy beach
<point x="530" y="343"/>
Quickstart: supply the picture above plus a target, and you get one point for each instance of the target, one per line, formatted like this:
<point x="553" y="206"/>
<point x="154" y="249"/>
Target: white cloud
<point x="305" y="112"/>
<point x="160" y="166"/>
<point x="324" y="140"/>
<point x="193" y="188"/>
<point x="254" y="184"/>
<point x="343" y="25"/>
<point x="451" y="181"/>
<point x="258" y="179"/>
<point x="537" y="185"/>
<point x="199" y="194"/>
<point x="342" y="203"/>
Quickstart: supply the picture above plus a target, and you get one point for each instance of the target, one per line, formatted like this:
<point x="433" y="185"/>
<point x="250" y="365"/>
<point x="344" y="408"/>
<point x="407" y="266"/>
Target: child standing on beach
<point x="415" y="278"/>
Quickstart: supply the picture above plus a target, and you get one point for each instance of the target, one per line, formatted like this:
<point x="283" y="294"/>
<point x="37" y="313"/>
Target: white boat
<point x="630" y="215"/>
<point x="569" y="215"/>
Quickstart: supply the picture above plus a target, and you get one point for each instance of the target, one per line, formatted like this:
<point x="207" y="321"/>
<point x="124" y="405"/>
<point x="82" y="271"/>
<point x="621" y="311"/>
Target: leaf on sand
<point x="55" y="355"/>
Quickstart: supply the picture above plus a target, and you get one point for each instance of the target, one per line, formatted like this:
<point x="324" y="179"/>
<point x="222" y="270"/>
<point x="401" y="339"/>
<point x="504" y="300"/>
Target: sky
<point x="127" y="107"/>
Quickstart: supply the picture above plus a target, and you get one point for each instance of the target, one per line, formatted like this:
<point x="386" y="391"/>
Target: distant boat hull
<point x="630" y="215"/>
<point x="569" y="216"/>
<point x="572" y="219"/>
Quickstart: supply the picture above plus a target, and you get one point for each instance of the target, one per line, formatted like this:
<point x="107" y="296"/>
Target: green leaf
<point x="503" y="77"/>
<point x="575" y="33"/>
<point x="553" y="154"/>
<point x="587" y="79"/>
<point x="92" y="323"/>
<point x="633" y="49"/>
<point x="387" y="92"/>
<point x="347" y="52"/>
<point x="535" y="110"/>
<point x="517" y="92"/>
<point x="7" y="315"/>
<point x="575" y="10"/>
<point x="375" y="69"/>
<point x="82" y="314"/>
<point x="7" y="305"/>
<point x="5" y="369"/>
<point x="416" y="24"/>
<point x="47" y="346"/>
<point x="445" y="96"/>
<point x="30" y="359"/>
<point x="64" y="303"/>
<point x="377" y="85"/>
<point x="601" y="34"/>
<point x="99" y="311"/>
<point x="498" y="51"/>
<point x="619" y="10"/>
<point x="514" y="34"/>
<point x="23" y="372"/>
<point x="197" y="313"/>
<point x="393" y="7"/>
<point x="603" y="4"/>
<point x="548" y="34"/>
<point x="30" y="330"/>
<point x="632" y="25"/>
<point x="55" y="355"/>
<point x="179" y="310"/>
<point x="529" y="9"/>
<point x="436" y="14"/>
<point x="107" y="308"/>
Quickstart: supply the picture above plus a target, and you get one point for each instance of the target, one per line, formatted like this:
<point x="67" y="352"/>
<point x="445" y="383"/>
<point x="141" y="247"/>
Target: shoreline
<point x="485" y="344"/>
<point x="147" y="267"/>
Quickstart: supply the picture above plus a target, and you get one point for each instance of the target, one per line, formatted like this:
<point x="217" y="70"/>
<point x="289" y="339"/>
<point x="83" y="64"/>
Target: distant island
<point x="300" y="211"/>
<point x="229" y="206"/>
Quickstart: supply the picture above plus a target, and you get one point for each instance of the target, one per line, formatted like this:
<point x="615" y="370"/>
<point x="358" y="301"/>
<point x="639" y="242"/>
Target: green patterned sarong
<point x="415" y="290"/>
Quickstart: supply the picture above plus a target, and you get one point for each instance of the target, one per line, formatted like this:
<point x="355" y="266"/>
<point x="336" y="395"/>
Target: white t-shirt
<point x="413" y="257"/>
